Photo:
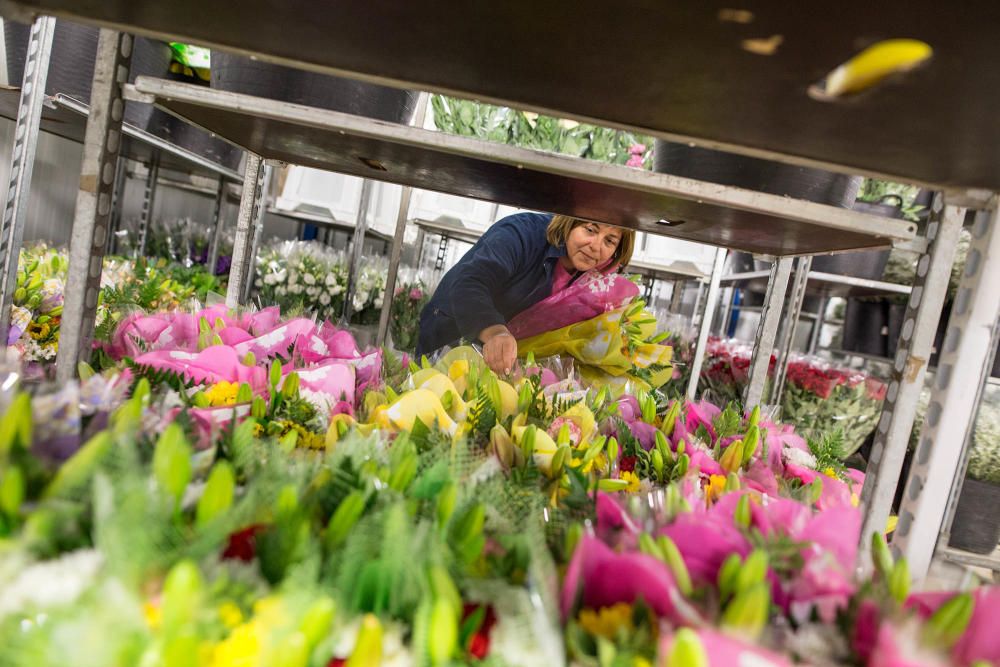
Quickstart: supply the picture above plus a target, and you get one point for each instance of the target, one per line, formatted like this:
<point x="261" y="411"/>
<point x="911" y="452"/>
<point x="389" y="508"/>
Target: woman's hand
<point x="499" y="348"/>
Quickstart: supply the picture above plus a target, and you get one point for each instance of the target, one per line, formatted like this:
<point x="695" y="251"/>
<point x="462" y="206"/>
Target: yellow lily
<point x="422" y="404"/>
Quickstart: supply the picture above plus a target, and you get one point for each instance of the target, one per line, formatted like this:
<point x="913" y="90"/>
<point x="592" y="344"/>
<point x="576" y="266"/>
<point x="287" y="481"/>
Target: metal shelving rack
<point x="449" y="52"/>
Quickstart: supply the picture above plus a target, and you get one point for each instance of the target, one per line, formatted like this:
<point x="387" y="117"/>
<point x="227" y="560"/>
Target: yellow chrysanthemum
<point x="606" y="621"/>
<point x="830" y="472"/>
<point x="222" y="393"/>
<point x="633" y="482"/>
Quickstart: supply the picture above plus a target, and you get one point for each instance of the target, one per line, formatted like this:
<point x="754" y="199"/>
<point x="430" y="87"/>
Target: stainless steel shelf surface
<point x="66" y="117"/>
<point x="822" y="284"/>
<point x="656" y="203"/>
<point x="738" y="80"/>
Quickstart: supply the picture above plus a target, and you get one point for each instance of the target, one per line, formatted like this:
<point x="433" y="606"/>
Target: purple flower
<point x="416" y="294"/>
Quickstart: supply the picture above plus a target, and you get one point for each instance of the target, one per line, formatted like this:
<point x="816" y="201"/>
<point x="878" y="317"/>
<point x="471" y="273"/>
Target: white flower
<point x="312" y="291"/>
<point x="331" y="279"/>
<point x="378" y="302"/>
<point x="280" y="291"/>
<point x="309" y="279"/>
<point x="295" y="288"/>
<point x="51" y="583"/>
<point x="324" y="299"/>
<point x="359" y="302"/>
<point x="799" y="457"/>
<point x="270" y="279"/>
<point x="334" y="291"/>
<point x="281" y="276"/>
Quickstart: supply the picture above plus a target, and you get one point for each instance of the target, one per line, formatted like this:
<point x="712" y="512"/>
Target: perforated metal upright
<point x="705" y="324"/>
<point x="963" y="366"/>
<point x="909" y="368"/>
<point x="787" y="338"/>
<point x="22" y="161"/>
<point x="767" y="329"/>
<point x="92" y="220"/>
<point x="148" y="205"/>
<point x="240" y="273"/>
<point x="218" y="226"/>
<point x="357" y="248"/>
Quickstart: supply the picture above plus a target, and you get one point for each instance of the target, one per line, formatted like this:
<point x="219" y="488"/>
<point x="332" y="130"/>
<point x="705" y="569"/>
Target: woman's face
<point x="591" y="245"/>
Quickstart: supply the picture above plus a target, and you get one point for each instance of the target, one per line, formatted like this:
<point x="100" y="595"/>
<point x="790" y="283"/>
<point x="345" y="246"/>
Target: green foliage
<point x="510" y="126"/>
<point x="829" y="450"/>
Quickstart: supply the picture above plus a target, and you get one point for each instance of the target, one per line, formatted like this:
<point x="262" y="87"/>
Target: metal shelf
<point x="681" y="71"/>
<point x="988" y="561"/>
<point x="689" y="209"/>
<point x="325" y="221"/>
<point x="66" y="117"/>
<point x="822" y="284"/>
<point x="447" y="229"/>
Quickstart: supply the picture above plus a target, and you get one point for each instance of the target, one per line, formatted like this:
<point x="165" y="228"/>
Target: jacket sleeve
<point x="472" y="300"/>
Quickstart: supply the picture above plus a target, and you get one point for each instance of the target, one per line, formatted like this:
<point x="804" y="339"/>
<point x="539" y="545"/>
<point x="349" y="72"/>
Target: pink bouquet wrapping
<point x="593" y="294"/>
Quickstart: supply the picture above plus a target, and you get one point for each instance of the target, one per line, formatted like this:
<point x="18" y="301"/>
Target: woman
<point x="519" y="261"/>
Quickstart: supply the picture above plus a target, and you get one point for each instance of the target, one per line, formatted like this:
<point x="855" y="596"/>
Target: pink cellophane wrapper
<point x="593" y="294"/>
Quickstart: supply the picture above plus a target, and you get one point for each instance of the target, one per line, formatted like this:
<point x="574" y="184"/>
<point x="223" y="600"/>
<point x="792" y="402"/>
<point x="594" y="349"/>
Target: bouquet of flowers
<point x="818" y="399"/>
<point x="300" y="276"/>
<point x="404" y="323"/>
<point x="38" y="302"/>
<point x="370" y="292"/>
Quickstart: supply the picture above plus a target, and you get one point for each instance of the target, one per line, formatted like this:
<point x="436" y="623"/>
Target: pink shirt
<point x="561" y="278"/>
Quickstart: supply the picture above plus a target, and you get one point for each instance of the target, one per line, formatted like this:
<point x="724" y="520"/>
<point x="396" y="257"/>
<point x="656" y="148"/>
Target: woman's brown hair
<point x="561" y="225"/>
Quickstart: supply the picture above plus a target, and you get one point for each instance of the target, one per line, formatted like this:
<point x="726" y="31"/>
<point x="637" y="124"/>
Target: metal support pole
<point x="257" y="232"/>
<point x="817" y="331"/>
<point x="217" y="227"/>
<point x="791" y="326"/>
<point x="676" y="296"/>
<point x="705" y="324"/>
<point x="442" y="253"/>
<point x="117" y="199"/>
<point x="916" y="339"/>
<point x="22" y="160"/>
<point x="91" y="221"/>
<point x="396" y="251"/>
<point x="243" y="247"/>
<point x="357" y="248"/>
<point x="963" y="367"/>
<point x="148" y="204"/>
<point x="767" y="329"/>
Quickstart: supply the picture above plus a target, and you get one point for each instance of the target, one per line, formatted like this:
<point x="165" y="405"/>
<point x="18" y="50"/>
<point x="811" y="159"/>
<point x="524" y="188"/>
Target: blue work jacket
<point x="509" y="269"/>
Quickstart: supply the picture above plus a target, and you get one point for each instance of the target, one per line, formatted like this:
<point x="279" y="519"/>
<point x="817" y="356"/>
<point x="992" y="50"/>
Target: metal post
<point x="930" y="287"/>
<point x="791" y="326"/>
<point x="767" y="329"/>
<point x="396" y="251"/>
<point x="676" y="296"/>
<point x="22" y="160"/>
<point x="239" y="271"/>
<point x="357" y="248"/>
<point x="705" y="324"/>
<point x="117" y="199"/>
<point x="817" y="331"/>
<point x="963" y="367"/>
<point x="92" y="218"/>
<point x="442" y="253"/>
<point x="257" y="231"/>
<point x="217" y="227"/>
<point x="148" y="204"/>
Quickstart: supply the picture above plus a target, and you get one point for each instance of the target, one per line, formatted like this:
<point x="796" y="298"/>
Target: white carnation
<point x="324" y="299"/>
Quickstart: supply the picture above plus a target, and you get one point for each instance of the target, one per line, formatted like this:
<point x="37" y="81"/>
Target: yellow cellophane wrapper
<point x="600" y="345"/>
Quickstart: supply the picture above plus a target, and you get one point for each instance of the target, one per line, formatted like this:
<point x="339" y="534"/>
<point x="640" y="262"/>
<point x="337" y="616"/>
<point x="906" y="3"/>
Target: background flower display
<point x="183" y="240"/>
